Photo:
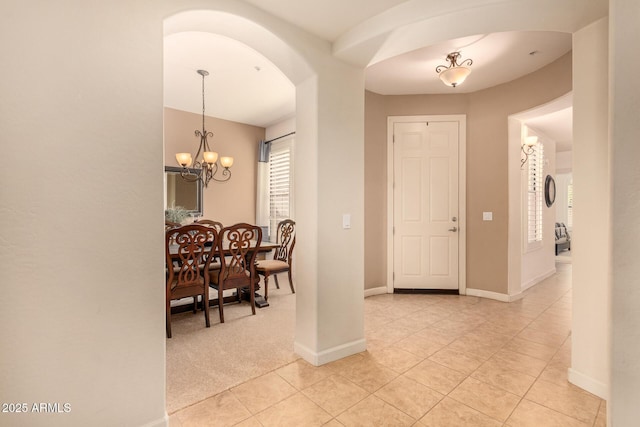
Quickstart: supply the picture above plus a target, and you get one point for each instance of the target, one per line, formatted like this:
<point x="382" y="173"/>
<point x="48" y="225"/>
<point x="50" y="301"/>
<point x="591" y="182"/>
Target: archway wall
<point x="488" y="179"/>
<point x="82" y="316"/>
<point x="624" y="33"/>
<point x="591" y="237"/>
<point x="329" y="173"/>
<point x="82" y="220"/>
<point x="418" y="23"/>
<point x="415" y="24"/>
<point x="254" y="28"/>
<point x="489" y="163"/>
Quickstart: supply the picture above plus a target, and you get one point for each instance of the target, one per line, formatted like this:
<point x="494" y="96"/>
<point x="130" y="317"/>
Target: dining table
<point x="263" y="249"/>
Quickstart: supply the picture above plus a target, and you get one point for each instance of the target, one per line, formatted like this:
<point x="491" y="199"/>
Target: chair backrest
<point x="170" y="224"/>
<point x="286" y="235"/>
<point x="561" y="231"/>
<point x="215" y="224"/>
<point x="237" y="247"/>
<point x="188" y="250"/>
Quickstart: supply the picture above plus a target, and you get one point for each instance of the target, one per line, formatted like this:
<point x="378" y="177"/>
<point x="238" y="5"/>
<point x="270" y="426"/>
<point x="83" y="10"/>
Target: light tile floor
<point x="432" y="360"/>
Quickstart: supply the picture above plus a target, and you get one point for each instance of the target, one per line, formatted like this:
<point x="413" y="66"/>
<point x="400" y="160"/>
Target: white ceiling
<point x="558" y="126"/>
<point x="244" y="86"/>
<point x="497" y="58"/>
<point x="327" y="19"/>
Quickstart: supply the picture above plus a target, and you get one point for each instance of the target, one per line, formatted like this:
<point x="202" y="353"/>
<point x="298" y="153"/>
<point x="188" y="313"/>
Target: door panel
<point x="425" y="205"/>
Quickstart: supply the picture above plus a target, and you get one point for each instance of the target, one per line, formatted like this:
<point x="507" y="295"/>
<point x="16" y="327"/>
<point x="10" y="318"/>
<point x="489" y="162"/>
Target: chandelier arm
<point x="226" y="174"/>
<point x="452" y="59"/>
<point x="206" y="140"/>
<point x="207" y="173"/>
<point x="200" y="147"/>
<point x="191" y="175"/>
<point x="204" y="134"/>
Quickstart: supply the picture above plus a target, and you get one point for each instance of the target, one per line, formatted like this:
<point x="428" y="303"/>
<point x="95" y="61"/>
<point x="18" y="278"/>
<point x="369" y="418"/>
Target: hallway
<point x="432" y="360"/>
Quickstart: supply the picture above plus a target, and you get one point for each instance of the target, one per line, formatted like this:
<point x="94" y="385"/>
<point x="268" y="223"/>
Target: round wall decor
<point x="549" y="190"/>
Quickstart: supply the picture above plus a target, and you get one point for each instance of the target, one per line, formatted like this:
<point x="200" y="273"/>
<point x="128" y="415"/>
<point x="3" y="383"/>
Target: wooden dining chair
<point x="215" y="224"/>
<point x="215" y="265"/>
<point x="188" y="252"/>
<point x="170" y="224"/>
<point x="282" y="257"/>
<point x="237" y="253"/>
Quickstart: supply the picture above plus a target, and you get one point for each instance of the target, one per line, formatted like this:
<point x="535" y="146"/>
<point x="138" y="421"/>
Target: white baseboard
<point x="375" y="291"/>
<point x="589" y="384"/>
<point x="487" y="294"/>
<point x="162" y="422"/>
<point x="526" y="285"/>
<point x="335" y="353"/>
<point x="510" y="298"/>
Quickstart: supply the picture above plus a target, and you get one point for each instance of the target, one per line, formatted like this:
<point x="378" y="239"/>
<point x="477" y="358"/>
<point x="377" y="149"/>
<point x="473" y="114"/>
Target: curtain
<point x="262" y="193"/>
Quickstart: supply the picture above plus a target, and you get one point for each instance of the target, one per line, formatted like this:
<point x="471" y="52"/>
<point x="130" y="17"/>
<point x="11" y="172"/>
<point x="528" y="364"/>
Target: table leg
<point x="259" y="299"/>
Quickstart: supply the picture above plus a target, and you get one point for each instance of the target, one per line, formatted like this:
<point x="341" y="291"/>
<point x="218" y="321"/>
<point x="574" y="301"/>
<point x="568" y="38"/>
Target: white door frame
<point x="462" y="192"/>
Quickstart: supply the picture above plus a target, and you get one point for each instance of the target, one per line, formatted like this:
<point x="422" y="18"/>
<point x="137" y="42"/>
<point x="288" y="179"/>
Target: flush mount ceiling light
<point x="204" y="169"/>
<point x="455" y="73"/>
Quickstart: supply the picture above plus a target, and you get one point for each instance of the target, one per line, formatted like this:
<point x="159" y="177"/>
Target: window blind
<point x="535" y="187"/>
<point x="280" y="180"/>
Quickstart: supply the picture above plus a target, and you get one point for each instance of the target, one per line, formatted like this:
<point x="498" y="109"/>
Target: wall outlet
<point x="487" y="216"/>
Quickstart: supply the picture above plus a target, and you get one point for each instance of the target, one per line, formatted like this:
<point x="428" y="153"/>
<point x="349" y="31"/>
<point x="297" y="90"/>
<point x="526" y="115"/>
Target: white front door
<point x="425" y="205"/>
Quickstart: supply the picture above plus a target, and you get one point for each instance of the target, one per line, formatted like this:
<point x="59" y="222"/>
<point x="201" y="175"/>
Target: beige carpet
<point x="204" y="361"/>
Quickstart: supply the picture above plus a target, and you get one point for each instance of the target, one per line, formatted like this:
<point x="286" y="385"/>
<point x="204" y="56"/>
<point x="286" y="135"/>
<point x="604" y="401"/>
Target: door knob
<point x="453" y="229"/>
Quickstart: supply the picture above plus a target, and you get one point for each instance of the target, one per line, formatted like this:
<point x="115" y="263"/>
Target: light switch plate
<point x="346" y="221"/>
<point x="487" y="216"/>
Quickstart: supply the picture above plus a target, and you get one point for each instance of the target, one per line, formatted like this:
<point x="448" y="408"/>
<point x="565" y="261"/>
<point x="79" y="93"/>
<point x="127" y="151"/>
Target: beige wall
<point x="487" y="187"/>
<point x="539" y="263"/>
<point x="81" y="252"/>
<point x="590" y="243"/>
<point x="233" y="201"/>
<point x="624" y="33"/>
<point x="375" y="191"/>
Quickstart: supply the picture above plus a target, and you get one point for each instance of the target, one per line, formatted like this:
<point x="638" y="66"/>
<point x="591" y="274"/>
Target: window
<point x="535" y="190"/>
<point x="280" y="183"/>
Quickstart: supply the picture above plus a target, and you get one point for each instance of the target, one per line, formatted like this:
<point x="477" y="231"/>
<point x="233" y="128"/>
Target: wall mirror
<point x="179" y="192"/>
<point x="549" y="191"/>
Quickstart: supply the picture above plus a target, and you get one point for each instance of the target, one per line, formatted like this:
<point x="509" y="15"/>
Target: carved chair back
<point x="237" y="248"/>
<point x="286" y="235"/>
<point x="215" y="224"/>
<point x="187" y="252"/>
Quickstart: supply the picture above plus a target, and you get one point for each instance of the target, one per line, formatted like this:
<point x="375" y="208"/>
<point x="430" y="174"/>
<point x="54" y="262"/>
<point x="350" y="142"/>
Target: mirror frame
<point x="549" y="190"/>
<point x="199" y="189"/>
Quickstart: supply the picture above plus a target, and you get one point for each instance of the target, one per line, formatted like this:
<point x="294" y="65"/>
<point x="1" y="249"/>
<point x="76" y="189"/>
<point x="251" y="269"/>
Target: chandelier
<point x="206" y="167"/>
<point x="455" y="73"/>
